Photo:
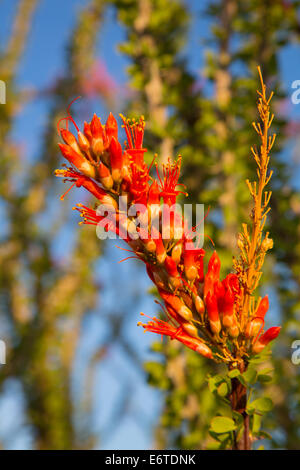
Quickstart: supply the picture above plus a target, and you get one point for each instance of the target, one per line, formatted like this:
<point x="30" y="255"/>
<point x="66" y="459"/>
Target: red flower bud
<point x="160" y="250"/>
<point x="115" y="150"/>
<point x="84" y="143"/>
<point x="214" y="265"/>
<point x="153" y="194"/>
<point x="212" y="307"/>
<point x="96" y="128"/>
<point x="174" y="302"/>
<point x="219" y="291"/>
<point x="69" y="138"/>
<point x="77" y="160"/>
<point x="209" y="283"/>
<point x="105" y="176"/>
<point x="192" y="259"/>
<point x="87" y="131"/>
<point x="266" y="338"/>
<point x="116" y="159"/>
<point x="262" y="308"/>
<point x="171" y="267"/>
<point x="111" y="127"/>
<point x="213" y="313"/>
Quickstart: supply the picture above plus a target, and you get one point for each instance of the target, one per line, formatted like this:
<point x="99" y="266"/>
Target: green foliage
<point x="222" y="424"/>
<point x="213" y="133"/>
<point x="43" y="301"/>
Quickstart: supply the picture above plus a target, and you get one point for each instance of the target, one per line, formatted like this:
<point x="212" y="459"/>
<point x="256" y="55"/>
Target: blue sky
<point x="43" y="61"/>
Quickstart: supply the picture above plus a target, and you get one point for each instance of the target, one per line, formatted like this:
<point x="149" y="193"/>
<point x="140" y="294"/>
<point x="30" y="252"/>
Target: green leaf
<point x="242" y="380"/>
<point x="263" y="405"/>
<point x="222" y="424"/>
<point x="214" y="382"/>
<point x="264" y="378"/>
<point x="234" y="373"/>
<point x="222" y="389"/>
<point x="256" y="423"/>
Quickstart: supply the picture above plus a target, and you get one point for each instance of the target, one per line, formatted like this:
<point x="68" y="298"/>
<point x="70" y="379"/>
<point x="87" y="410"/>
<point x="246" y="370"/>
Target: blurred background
<point x="79" y="374"/>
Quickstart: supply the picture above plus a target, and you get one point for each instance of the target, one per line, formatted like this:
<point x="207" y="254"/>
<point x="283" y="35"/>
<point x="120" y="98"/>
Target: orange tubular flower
<point x="77" y="160"/>
<point x="213" y="313"/>
<point x="265" y="339"/>
<point x="257" y="323"/>
<point x="174" y="302"/>
<point x="193" y="264"/>
<point x="214" y="266"/>
<point x="204" y="312"/>
<point x="116" y="159"/>
<point x="164" y="328"/>
<point x="111" y="128"/>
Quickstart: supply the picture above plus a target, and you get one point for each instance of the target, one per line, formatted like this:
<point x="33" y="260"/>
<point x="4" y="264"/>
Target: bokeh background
<point x="79" y="373"/>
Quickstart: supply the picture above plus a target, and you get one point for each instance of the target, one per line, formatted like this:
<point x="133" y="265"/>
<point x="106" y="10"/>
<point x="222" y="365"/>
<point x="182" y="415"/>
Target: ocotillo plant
<point x="219" y="319"/>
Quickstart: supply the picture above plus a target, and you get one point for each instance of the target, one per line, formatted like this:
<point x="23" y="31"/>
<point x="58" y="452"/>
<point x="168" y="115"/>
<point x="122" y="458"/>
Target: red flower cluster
<point x="202" y="311"/>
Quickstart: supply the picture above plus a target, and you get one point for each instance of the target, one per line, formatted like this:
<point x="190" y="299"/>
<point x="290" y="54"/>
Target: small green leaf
<point x="214" y="382"/>
<point x="256" y="423"/>
<point x="263" y="378"/>
<point x="233" y="373"/>
<point x="263" y="405"/>
<point x="222" y="424"/>
<point x="242" y="380"/>
<point x="222" y="389"/>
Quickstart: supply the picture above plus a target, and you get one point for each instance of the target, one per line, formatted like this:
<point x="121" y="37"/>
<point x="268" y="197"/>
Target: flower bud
<point x="214" y="266"/>
<point x="213" y="313"/>
<point x="253" y="327"/>
<point x="70" y="140"/>
<point x="177" y="305"/>
<point x="171" y="268"/>
<point x="116" y="159"/>
<point x="204" y="350"/>
<point x="176" y="253"/>
<point x="150" y="246"/>
<point x="185" y="312"/>
<point x="96" y="128"/>
<point x="78" y="160"/>
<point x="87" y="131"/>
<point x="160" y="250"/>
<point x="190" y="329"/>
<point x="234" y="331"/>
<point x="105" y="177"/>
<point x="199" y="304"/>
<point x="111" y="127"/>
<point x="83" y="142"/>
<point x="265" y="339"/>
